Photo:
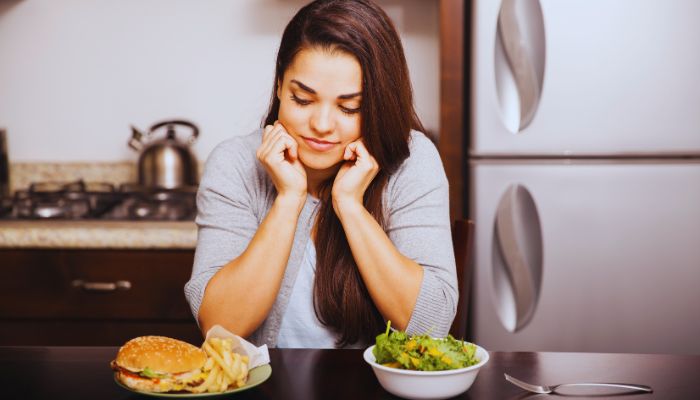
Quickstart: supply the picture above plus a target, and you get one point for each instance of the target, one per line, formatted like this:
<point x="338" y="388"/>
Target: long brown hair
<point x="362" y="29"/>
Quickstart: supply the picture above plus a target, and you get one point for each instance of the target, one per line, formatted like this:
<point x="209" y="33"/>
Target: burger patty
<point x="175" y="382"/>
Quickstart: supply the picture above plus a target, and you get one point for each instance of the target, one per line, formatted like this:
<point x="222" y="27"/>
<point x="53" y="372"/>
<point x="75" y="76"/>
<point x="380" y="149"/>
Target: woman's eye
<point x="305" y="102"/>
<point x="347" y="110"/>
<point x="301" y="102"/>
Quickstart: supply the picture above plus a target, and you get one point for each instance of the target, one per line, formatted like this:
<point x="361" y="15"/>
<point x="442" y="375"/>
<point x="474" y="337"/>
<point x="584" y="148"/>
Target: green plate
<point x="256" y="376"/>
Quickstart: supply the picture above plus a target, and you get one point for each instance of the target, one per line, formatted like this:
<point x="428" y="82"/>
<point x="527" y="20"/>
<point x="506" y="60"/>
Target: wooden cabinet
<point x="454" y="99"/>
<point x="94" y="297"/>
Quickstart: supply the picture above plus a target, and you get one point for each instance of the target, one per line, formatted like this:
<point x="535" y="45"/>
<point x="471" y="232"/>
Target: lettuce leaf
<point x="149" y="373"/>
<point x="422" y="352"/>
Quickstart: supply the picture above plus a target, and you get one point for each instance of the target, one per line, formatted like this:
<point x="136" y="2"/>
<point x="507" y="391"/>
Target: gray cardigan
<point x="236" y="193"/>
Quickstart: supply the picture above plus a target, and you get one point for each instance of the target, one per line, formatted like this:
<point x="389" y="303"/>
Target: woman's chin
<point x="320" y="163"/>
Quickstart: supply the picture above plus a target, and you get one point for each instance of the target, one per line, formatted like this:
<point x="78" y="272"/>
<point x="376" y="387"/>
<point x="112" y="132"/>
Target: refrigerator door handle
<point x="517" y="258"/>
<point x="519" y="61"/>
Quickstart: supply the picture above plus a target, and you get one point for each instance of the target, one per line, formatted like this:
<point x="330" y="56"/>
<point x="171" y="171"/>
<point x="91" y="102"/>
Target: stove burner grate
<point x="90" y="200"/>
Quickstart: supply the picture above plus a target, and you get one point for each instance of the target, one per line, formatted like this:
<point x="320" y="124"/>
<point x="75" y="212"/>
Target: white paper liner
<point x="257" y="356"/>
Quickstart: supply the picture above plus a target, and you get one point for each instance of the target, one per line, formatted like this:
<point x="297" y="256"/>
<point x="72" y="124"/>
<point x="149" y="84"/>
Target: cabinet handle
<point x="101" y="286"/>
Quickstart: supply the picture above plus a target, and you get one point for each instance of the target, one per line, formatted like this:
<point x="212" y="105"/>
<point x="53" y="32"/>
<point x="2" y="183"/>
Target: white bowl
<point x="426" y="384"/>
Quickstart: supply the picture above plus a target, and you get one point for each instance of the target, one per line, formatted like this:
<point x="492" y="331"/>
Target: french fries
<point x="224" y="368"/>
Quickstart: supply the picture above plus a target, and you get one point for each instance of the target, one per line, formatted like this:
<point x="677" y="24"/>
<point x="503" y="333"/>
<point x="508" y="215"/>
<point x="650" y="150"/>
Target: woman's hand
<point x="354" y="177"/>
<point x="278" y="153"/>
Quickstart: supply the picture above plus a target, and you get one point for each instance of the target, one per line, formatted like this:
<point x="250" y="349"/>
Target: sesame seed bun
<point x="160" y="354"/>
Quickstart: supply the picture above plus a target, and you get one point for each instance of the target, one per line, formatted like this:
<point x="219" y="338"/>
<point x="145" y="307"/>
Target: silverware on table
<point x="553" y="389"/>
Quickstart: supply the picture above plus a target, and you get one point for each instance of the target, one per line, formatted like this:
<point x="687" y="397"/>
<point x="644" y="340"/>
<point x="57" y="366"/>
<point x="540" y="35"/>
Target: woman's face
<point x="320" y="98"/>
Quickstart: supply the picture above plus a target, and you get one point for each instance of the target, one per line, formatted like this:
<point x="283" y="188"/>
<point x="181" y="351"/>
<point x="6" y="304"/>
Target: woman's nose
<point x="322" y="120"/>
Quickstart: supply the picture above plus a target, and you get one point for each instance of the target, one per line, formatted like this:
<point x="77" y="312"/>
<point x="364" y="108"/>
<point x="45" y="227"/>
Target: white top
<point x="300" y="327"/>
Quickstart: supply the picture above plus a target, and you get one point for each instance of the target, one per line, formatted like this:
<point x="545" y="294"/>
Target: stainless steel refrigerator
<point x="584" y="175"/>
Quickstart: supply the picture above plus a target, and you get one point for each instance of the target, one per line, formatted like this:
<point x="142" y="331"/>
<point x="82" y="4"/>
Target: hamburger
<point x="159" y="364"/>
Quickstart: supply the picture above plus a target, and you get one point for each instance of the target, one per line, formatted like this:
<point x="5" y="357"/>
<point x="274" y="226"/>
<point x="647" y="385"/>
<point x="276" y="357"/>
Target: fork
<point x="553" y="389"/>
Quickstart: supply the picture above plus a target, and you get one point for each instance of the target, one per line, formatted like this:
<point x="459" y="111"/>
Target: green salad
<point x="421" y="352"/>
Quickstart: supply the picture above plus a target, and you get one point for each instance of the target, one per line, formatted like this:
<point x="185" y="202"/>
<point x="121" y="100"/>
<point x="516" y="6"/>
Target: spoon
<point x="553" y="389"/>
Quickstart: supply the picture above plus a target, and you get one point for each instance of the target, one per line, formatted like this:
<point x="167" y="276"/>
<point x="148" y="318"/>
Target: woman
<point x="334" y="217"/>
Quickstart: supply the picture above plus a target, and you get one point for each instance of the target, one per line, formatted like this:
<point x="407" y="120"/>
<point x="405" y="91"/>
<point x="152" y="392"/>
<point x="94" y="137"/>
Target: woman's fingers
<point x="358" y="152"/>
<point x="265" y="143"/>
<point x="355" y="175"/>
<point x="266" y="131"/>
<point x="269" y="128"/>
<point x="350" y="150"/>
<point x="293" y="148"/>
<point x="278" y="146"/>
<point x="278" y="155"/>
<point x="270" y="136"/>
<point x="284" y="143"/>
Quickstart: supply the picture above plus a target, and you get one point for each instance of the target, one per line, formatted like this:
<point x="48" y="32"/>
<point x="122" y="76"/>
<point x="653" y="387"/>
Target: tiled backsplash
<point x="23" y="174"/>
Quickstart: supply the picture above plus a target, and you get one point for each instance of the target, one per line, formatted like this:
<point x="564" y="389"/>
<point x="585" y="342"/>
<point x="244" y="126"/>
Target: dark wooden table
<point x="84" y="373"/>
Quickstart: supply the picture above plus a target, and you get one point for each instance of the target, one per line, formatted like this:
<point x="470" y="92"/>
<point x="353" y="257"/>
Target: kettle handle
<point x="181" y="122"/>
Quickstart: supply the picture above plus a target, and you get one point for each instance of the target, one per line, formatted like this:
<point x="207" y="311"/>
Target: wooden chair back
<point x="462" y="238"/>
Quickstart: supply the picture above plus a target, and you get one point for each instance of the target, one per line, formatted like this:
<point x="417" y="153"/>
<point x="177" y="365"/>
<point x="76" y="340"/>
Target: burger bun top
<point x="160" y="354"/>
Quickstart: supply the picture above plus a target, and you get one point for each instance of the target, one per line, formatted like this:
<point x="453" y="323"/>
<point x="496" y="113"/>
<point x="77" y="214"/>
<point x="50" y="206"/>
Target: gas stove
<point x="81" y="200"/>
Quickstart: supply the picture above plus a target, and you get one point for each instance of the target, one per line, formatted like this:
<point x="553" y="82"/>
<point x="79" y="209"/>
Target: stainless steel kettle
<point x="166" y="163"/>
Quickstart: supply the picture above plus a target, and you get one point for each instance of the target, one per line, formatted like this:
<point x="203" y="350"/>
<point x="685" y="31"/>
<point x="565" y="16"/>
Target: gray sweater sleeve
<point x="419" y="226"/>
<point x="228" y="212"/>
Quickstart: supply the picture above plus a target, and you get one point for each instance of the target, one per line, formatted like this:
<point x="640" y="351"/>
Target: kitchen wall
<point x="74" y="74"/>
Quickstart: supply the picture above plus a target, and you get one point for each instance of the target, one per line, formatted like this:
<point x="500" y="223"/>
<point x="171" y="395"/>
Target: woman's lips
<point x="319" y="145"/>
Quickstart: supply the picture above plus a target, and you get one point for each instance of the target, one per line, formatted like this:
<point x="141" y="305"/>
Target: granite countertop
<point x="98" y="234"/>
